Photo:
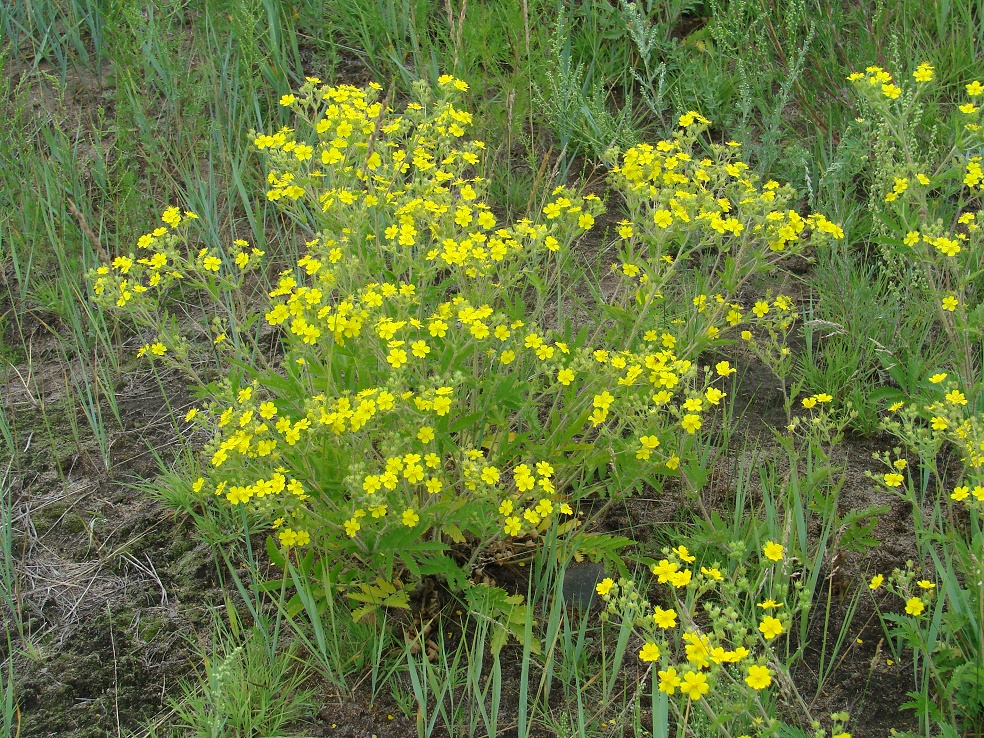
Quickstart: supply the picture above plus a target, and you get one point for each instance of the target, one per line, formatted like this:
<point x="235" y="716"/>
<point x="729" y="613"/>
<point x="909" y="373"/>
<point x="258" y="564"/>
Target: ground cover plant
<point x="491" y="368"/>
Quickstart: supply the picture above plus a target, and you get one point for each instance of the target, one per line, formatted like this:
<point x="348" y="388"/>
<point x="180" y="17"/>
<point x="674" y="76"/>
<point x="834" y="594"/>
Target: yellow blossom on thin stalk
<point x="759" y="677"/>
<point x="773" y="551"/>
<point x="914" y="606"/>
<point x="770" y="627"/>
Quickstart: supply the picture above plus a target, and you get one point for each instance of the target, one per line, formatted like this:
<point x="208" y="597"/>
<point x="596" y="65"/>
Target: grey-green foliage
<point x="855" y="326"/>
<point x="243" y="688"/>
<point x="575" y="102"/>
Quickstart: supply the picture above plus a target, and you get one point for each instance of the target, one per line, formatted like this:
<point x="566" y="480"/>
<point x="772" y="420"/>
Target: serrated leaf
<point x="454" y="533"/>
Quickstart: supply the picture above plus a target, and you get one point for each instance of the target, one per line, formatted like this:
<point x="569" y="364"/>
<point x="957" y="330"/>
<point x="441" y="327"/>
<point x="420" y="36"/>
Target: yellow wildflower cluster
<point x="949" y="419"/>
<point x="880" y="81"/>
<point x="692" y="659"/>
<point x="917" y="592"/>
<point x="535" y="502"/>
<point x="407" y="182"/>
<point x="136" y="282"/>
<point x="693" y="201"/>
<point x="418" y="382"/>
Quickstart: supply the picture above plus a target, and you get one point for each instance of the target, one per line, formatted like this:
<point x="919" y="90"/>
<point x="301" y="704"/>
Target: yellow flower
<point x="891" y="91"/>
<point x="956" y="397"/>
<point x="410" y="518"/>
<point x="773" y="551"/>
<point x="894" y="480"/>
<point x="975" y="88"/>
<point x="876" y="581"/>
<point x="695" y="685"/>
<point x="950" y="303"/>
<point x="926" y="584"/>
<point x="761" y="308"/>
<point x="960" y="493"/>
<point x="426" y="434"/>
<point x="191" y="415"/>
<point x="352" y="527"/>
<point x="565" y="376"/>
<point x="809" y="402"/>
<point x="664" y="570"/>
<point x="684" y="554"/>
<point x="681" y="578"/>
<point x="663" y="218"/>
<point x="668" y="680"/>
<point x="937" y="378"/>
<point x="770" y="627"/>
<point x="649" y="653"/>
<point x="939" y="424"/>
<point x="397" y="357"/>
<point x="691" y="423"/>
<point x="914" y="606"/>
<point x="664" y="618"/>
<point x="605" y="586"/>
<point x="512" y="526"/>
<point x="490" y="475"/>
<point x="759" y="677"/>
<point x="923" y="73"/>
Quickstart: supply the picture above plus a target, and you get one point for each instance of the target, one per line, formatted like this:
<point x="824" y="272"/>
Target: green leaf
<point x="273" y="551"/>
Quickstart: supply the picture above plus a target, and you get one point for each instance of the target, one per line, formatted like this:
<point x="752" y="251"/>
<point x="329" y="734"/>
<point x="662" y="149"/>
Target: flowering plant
<point x="431" y="409"/>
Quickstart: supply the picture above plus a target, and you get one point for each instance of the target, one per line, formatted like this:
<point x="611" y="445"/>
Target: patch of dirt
<point x="109" y="584"/>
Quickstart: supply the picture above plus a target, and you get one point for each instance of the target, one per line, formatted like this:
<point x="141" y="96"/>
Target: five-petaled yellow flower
<point x="759" y="677"/>
<point x="669" y="680"/>
<point x="773" y="551"/>
<point x="664" y="618"/>
<point x="770" y="627"/>
<point x="695" y="685"/>
<point x="914" y="606"/>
